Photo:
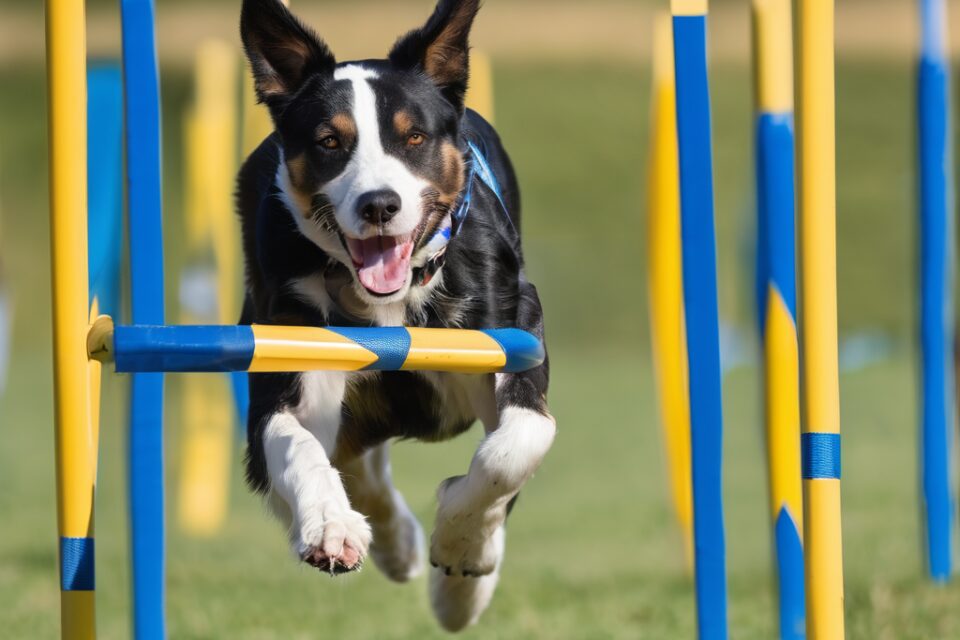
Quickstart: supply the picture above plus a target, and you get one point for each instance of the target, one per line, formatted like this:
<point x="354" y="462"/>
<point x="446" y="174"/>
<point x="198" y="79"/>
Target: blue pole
<point x="142" y="102"/>
<point x="105" y="183"/>
<point x="700" y="301"/>
<point x="936" y="287"/>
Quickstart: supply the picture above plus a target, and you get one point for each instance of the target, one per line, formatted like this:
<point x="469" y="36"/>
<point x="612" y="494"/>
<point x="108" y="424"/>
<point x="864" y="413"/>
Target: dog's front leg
<point x="325" y="531"/>
<point x="468" y="541"/>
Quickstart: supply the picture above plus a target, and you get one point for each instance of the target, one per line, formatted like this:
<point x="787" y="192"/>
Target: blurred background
<point x="593" y="550"/>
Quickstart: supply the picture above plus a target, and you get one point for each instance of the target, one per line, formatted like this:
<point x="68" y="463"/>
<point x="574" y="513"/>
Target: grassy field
<point x="592" y="551"/>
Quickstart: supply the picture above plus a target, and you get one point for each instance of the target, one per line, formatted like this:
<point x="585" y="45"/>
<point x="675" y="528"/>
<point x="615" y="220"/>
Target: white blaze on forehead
<point x="371" y="168"/>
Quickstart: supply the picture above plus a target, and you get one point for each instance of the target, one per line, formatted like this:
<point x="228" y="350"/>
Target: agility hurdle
<point x="776" y="297"/>
<point x="937" y="263"/>
<point x="148" y="349"/>
<point x="820" y="440"/>
<point x="702" y="322"/>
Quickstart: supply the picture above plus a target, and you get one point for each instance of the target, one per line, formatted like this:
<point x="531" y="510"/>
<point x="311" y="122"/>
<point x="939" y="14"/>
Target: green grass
<point x="592" y="550"/>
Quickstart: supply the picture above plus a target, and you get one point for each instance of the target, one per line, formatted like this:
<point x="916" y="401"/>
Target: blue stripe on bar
<point x="76" y="564"/>
<point x="522" y="349"/>
<point x="821" y="456"/>
<point x="183" y="349"/>
<point x="391" y="344"/>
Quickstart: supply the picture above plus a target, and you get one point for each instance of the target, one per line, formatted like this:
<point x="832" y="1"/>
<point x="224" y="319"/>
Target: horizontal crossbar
<point x="261" y="348"/>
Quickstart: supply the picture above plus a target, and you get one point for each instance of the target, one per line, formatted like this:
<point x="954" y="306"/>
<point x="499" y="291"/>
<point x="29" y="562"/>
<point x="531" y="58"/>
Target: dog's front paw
<point x="336" y="543"/>
<point x="463" y="542"/>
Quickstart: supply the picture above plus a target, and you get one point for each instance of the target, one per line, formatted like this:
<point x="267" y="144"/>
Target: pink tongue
<point x="385" y="264"/>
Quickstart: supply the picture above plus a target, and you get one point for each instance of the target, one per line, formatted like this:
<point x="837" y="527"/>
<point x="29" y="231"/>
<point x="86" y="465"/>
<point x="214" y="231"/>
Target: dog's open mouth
<point x="382" y="262"/>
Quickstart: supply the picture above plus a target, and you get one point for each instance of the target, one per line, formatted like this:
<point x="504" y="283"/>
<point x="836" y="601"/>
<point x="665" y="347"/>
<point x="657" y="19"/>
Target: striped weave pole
<point x="145" y="454"/>
<point x="702" y="322"/>
<point x="271" y="349"/>
<point x="666" y="282"/>
<point x="820" y="441"/>
<point x="777" y="300"/>
<point x="75" y="443"/>
<point x="937" y="262"/>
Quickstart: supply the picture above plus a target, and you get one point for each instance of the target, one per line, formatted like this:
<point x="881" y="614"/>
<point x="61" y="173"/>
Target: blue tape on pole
<point x="776" y="212"/>
<point x="105" y="183"/>
<point x="522" y="349"/>
<point x="793" y="619"/>
<point x="145" y="228"/>
<point x="391" y="344"/>
<point x="183" y="349"/>
<point x="702" y="321"/>
<point x="77" y="566"/>
<point x="821" y="456"/>
<point x="937" y="261"/>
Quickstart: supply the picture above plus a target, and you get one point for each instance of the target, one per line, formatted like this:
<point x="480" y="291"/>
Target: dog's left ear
<point x="441" y="48"/>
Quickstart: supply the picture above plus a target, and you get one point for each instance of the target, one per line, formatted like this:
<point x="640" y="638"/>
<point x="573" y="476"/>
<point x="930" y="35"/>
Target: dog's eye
<point x="330" y="143"/>
<point x="416" y="139"/>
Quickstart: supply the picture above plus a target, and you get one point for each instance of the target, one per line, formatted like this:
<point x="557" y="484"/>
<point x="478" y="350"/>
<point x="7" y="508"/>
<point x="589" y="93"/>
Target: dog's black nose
<point x="379" y="207"/>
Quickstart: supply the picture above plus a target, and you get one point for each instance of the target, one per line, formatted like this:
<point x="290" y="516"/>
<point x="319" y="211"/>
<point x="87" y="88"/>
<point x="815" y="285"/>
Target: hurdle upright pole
<point x="667" y="332"/>
<point x="820" y="441"/>
<point x="702" y="321"/>
<point x="777" y="299"/>
<point x="75" y="443"/>
<point x="145" y="446"/>
<point x="937" y="262"/>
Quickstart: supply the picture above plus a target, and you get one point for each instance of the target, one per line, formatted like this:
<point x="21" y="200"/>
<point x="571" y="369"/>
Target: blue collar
<point x="477" y="167"/>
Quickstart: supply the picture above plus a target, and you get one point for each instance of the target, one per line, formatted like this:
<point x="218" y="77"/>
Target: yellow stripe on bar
<point x="666" y="282"/>
<point x="452" y="350"/>
<point x="773" y="55"/>
<point x="282" y="349"/>
<point x="689" y="7"/>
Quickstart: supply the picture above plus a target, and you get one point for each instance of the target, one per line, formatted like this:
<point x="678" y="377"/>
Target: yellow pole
<point x="211" y="149"/>
<point x="480" y="94"/>
<point x="75" y="443"/>
<point x="666" y="282"/>
<point x="818" y="319"/>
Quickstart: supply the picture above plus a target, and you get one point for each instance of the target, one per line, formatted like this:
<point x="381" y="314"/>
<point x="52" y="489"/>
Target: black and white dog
<point x="381" y="201"/>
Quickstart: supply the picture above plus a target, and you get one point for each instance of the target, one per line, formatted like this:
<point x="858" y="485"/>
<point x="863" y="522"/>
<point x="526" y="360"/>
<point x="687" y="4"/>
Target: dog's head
<point x="370" y="149"/>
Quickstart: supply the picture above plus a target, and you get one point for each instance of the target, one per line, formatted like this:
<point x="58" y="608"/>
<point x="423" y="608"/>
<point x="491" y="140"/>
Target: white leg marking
<point x="398" y="547"/>
<point x="324" y="530"/>
<point x="472" y="507"/>
<point x="457" y="601"/>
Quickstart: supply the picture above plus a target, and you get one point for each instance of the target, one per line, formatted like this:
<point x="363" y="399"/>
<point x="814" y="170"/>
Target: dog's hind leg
<point x="468" y="543"/>
<point x="397" y="547"/>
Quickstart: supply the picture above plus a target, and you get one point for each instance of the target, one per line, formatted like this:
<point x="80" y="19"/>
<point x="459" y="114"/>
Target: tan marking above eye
<point x="402" y="122"/>
<point x="344" y="125"/>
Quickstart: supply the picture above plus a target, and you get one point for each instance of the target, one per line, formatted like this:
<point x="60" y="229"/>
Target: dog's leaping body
<point x="381" y="201"/>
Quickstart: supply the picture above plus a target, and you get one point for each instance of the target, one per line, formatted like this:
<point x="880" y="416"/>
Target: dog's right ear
<point x="283" y="52"/>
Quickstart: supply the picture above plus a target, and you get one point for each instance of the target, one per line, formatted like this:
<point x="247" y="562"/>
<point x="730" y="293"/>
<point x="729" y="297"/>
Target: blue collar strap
<point x="477" y="167"/>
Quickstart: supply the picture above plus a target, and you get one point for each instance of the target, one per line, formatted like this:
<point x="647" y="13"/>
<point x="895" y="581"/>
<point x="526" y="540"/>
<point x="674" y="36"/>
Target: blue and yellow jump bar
<point x="273" y="349"/>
